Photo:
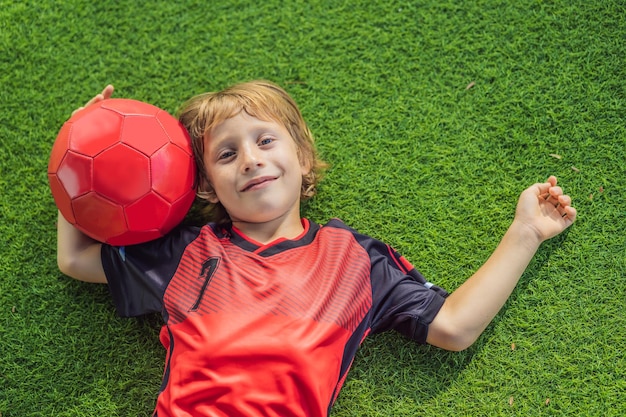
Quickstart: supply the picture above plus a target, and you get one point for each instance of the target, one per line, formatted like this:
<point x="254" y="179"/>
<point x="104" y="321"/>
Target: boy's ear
<point x="212" y="198"/>
<point x="305" y="166"/>
<point x="206" y="191"/>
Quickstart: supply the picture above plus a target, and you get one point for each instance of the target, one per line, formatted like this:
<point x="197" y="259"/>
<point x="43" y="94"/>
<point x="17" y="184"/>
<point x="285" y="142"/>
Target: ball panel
<point x="147" y="213"/>
<point x="145" y="134"/>
<point x="94" y="130"/>
<point x="178" y="210"/>
<point x="173" y="172"/>
<point x="176" y="131"/>
<point x="61" y="199"/>
<point x="75" y="173"/>
<point x="60" y="147"/>
<point x="121" y="174"/>
<point x="128" y="107"/>
<point x="98" y="217"/>
<point x="134" y="237"/>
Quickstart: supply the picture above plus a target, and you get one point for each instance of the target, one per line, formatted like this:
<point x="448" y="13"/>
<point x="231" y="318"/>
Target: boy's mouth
<point x="254" y="183"/>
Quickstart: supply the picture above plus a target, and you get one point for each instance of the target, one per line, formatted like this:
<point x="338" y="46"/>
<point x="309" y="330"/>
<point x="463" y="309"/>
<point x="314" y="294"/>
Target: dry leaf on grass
<point x="555" y="155"/>
<point x="470" y="85"/>
<point x="575" y="169"/>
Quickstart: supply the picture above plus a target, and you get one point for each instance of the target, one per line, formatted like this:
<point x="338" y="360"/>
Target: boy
<point x="264" y="310"/>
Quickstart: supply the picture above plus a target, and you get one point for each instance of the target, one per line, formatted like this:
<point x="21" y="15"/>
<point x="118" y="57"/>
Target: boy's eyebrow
<point x="212" y="143"/>
<point x="256" y="130"/>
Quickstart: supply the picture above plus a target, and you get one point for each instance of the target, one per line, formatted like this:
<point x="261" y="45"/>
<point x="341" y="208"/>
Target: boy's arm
<point x="543" y="211"/>
<point x="78" y="255"/>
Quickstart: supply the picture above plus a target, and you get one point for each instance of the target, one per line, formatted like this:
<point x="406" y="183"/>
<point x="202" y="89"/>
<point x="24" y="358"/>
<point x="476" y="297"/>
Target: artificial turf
<point x="434" y="116"/>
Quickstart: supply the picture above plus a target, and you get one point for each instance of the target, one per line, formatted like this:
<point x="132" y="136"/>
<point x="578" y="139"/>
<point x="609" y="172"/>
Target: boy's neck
<point x="265" y="233"/>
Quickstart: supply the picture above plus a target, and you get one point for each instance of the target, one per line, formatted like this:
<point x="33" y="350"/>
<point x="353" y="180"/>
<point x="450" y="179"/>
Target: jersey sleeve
<point x="402" y="299"/>
<point x="138" y="275"/>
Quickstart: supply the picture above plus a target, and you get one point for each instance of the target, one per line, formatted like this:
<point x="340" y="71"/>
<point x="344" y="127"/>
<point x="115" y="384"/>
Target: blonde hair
<point x="263" y="100"/>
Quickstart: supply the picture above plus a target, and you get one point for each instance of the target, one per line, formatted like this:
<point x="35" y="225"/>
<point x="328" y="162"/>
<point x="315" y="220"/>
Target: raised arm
<point x="543" y="211"/>
<point x="78" y="256"/>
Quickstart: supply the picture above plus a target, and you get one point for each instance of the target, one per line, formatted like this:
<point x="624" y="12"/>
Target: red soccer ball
<point x="122" y="171"/>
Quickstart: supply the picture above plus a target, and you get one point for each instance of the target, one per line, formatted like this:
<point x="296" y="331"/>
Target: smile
<point x="257" y="183"/>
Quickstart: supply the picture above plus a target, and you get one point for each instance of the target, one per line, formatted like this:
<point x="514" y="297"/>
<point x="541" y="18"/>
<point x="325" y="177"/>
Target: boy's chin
<point x="260" y="217"/>
<point x="258" y="220"/>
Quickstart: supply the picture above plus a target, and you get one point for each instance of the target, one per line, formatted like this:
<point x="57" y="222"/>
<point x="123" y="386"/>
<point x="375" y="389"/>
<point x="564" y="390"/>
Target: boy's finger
<point x="94" y="99"/>
<point x="107" y="92"/>
<point x="552" y="180"/>
<point x="543" y="189"/>
<point x="556" y="191"/>
<point x="570" y="214"/>
<point x="565" y="200"/>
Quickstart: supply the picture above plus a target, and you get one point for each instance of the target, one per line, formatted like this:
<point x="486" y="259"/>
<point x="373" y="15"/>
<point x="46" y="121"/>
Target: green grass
<point x="418" y="159"/>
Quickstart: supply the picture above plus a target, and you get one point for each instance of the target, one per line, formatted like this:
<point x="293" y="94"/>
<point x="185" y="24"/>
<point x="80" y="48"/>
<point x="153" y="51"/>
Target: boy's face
<point x="254" y="169"/>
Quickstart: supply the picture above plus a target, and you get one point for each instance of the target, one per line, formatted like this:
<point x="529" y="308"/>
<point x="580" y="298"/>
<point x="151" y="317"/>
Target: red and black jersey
<point x="266" y="330"/>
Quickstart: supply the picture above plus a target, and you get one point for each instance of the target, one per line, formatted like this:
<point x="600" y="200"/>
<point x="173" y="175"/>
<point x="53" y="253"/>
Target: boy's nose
<point x="250" y="159"/>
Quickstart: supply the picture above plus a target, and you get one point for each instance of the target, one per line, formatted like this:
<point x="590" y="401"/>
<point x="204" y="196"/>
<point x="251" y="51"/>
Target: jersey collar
<point x="238" y="238"/>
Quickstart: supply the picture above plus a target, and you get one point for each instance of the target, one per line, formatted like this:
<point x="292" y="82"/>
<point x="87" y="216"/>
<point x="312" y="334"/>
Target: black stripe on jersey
<point x="278" y="247"/>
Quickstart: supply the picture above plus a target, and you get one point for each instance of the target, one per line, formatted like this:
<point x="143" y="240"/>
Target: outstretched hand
<point x="545" y="209"/>
<point x="106" y="93"/>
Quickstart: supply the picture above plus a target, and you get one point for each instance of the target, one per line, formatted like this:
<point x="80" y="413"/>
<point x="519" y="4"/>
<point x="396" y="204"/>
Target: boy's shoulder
<point x="336" y="223"/>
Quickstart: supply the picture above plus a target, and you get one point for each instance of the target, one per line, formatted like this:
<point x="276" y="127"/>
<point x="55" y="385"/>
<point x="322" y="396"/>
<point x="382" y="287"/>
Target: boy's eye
<point x="266" y="140"/>
<point x="226" y="154"/>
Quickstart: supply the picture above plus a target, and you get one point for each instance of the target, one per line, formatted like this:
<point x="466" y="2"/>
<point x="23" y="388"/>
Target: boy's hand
<point x="106" y="93"/>
<point x="545" y="209"/>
